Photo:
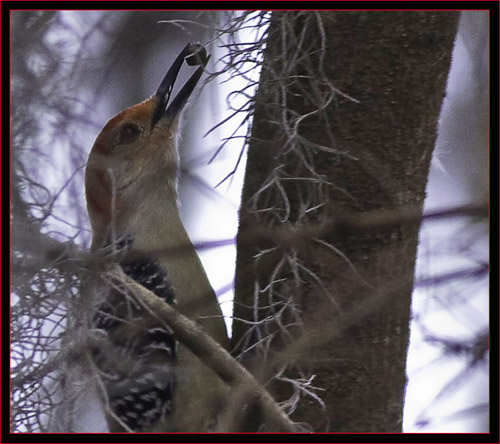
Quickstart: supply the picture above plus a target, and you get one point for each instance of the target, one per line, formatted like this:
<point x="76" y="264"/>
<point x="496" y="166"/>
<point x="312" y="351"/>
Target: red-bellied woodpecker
<point x="132" y="201"/>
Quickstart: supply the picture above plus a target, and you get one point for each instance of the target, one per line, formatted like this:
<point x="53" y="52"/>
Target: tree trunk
<point x="344" y="126"/>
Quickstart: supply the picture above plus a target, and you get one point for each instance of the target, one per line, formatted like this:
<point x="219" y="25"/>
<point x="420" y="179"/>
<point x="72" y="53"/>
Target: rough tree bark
<point x="325" y="264"/>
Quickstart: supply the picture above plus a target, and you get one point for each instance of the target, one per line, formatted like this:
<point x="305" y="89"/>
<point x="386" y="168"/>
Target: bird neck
<point x="154" y="222"/>
<point x="159" y="234"/>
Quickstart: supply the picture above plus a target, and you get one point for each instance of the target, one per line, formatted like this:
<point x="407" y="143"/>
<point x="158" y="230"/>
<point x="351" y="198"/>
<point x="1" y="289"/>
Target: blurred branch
<point x="212" y="354"/>
<point x="372" y="221"/>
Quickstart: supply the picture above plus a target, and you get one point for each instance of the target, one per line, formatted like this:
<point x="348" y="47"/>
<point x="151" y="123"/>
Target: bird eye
<point x="129" y="133"/>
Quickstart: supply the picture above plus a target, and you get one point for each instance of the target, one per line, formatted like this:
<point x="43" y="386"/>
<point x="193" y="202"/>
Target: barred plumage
<point x="140" y="391"/>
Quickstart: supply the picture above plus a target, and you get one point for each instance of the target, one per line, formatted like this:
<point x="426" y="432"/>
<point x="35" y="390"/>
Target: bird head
<point x="135" y="154"/>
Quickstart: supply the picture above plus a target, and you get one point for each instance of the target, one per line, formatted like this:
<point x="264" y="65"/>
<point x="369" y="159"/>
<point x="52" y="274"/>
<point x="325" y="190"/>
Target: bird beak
<point x="194" y="54"/>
